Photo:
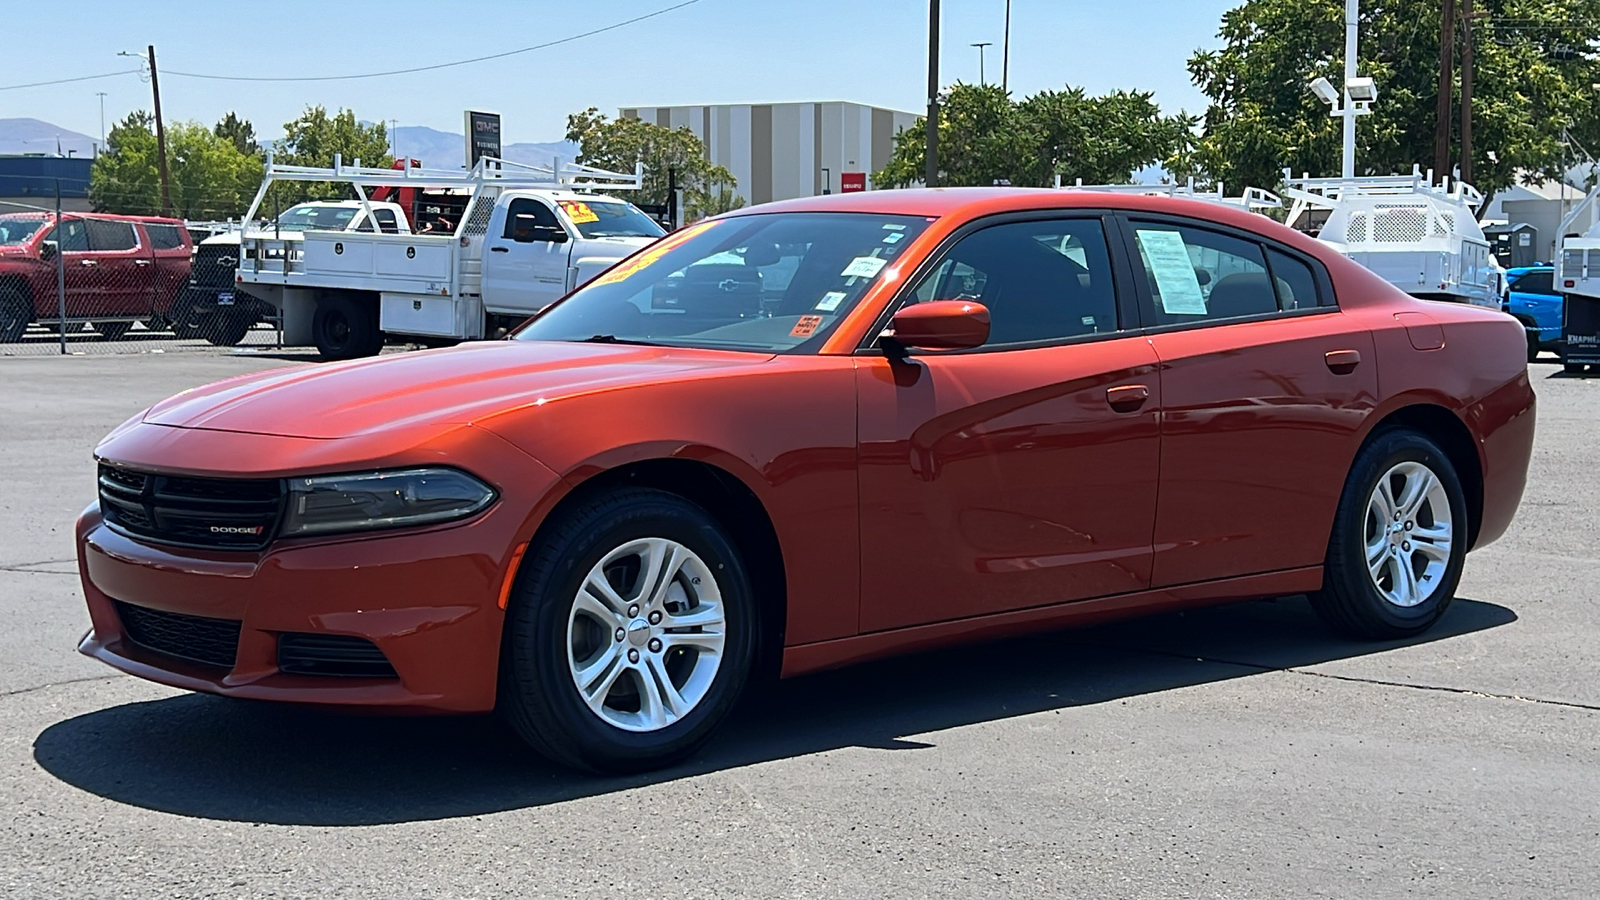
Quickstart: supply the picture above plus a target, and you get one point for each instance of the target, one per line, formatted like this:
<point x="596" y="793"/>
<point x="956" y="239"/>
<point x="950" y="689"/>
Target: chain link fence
<point x="79" y="282"/>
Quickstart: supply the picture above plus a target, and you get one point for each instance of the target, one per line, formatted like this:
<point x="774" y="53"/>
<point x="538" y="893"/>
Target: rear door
<point x="1265" y="384"/>
<point x="124" y="270"/>
<point x="170" y="248"/>
<point x="525" y="265"/>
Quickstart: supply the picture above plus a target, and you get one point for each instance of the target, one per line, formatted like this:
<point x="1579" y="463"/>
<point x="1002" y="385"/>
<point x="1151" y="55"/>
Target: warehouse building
<point x="778" y="151"/>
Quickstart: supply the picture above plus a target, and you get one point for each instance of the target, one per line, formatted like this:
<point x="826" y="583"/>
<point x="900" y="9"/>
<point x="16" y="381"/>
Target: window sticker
<point x="864" y="267"/>
<point x="806" y="326"/>
<point x="894" y="237"/>
<point x="1168" y="260"/>
<point x="894" y="227"/>
<point x="830" y="301"/>
<point x="579" y="212"/>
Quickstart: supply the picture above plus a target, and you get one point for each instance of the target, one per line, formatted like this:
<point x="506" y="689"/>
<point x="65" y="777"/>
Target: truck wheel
<point x="112" y="331"/>
<point x="15" y="314"/>
<point x="346" y="328"/>
<point x="1573" y="368"/>
<point x="1533" y="346"/>
<point x="226" y="328"/>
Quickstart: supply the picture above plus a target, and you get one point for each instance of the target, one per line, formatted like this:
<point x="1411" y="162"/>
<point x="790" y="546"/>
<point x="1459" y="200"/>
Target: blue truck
<point x="1531" y="298"/>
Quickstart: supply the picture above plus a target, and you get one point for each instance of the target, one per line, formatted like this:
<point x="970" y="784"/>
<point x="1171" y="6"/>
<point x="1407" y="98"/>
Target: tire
<point x="1573" y="368"/>
<point x="554" y="635"/>
<point x="226" y="328"/>
<point x="112" y="331"/>
<point x="16" y="311"/>
<point x="1533" y="346"/>
<point x="346" y="328"/>
<point x="1379" y="602"/>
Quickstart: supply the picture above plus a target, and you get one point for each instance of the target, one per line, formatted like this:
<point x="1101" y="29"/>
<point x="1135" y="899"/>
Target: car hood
<point x="458" y="385"/>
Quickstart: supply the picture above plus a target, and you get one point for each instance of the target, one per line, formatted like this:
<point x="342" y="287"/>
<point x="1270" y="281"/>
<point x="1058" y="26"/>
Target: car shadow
<point x="216" y="758"/>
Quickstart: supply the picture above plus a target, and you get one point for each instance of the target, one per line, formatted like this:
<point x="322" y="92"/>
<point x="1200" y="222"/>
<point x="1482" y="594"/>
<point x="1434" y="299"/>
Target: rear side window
<point x="1297" y="286"/>
<point x="70" y="237"/>
<point x="164" y="237"/>
<point x="1041" y="280"/>
<point x="1537" y="283"/>
<point x="111" y="236"/>
<point x="1195" y="275"/>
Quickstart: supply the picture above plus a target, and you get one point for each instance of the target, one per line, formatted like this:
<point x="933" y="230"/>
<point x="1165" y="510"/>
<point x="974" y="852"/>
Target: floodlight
<point x="1362" y="90"/>
<point x="1324" y="89"/>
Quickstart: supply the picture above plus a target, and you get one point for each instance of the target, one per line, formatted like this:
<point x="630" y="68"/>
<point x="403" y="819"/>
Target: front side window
<point x="1195" y="275"/>
<point x="770" y="282"/>
<point x="106" y="236"/>
<point x="386" y="221"/>
<point x="603" y="218"/>
<point x="530" y="220"/>
<point x="71" y="237"/>
<point x="1041" y="281"/>
<point x="1536" y="283"/>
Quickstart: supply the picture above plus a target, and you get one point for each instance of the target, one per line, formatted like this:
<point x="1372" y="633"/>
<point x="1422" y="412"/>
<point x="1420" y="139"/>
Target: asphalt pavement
<point x="1236" y="752"/>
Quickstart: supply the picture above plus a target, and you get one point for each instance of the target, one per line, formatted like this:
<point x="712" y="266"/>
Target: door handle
<point x="498" y="250"/>
<point x="88" y="262"/>
<point x="1342" y="362"/>
<point x="1127" y="397"/>
<point x="141" y="262"/>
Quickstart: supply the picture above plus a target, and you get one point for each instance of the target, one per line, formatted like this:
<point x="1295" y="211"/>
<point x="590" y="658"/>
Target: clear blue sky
<point x="713" y="51"/>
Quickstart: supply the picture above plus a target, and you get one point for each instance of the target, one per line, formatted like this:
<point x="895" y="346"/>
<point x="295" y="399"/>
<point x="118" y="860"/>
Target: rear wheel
<point x="630" y="634"/>
<point x="16" y="311"/>
<point x="346" y="328"/>
<point x="1399" y="540"/>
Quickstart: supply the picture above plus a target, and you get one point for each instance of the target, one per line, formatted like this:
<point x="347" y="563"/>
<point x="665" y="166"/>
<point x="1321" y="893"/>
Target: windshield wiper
<point x="613" y="339"/>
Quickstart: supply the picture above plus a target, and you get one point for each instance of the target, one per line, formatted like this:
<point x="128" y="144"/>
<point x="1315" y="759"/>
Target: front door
<point x="525" y="266"/>
<point x="79" y="271"/>
<point x="1265" y="386"/>
<point x="1023" y="473"/>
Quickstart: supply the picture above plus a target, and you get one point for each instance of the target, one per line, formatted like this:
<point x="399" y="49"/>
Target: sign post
<point x="483" y="136"/>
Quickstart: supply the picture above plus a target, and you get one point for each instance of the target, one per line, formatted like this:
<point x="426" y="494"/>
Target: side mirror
<point x="48" y="250"/>
<point x="942" y="325"/>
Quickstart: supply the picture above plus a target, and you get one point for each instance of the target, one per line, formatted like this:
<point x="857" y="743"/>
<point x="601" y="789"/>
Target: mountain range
<point x="435" y="148"/>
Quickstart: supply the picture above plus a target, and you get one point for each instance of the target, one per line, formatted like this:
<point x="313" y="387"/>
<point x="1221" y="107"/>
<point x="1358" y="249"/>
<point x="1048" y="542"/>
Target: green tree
<point x="985" y="136"/>
<point x="240" y="132"/>
<point x="620" y="144"/>
<point x="211" y="179"/>
<point x="1532" y="81"/>
<point x="314" y="138"/>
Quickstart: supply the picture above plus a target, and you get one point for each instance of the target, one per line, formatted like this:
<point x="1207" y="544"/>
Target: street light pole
<point x="980" y="45"/>
<point x="1005" y="54"/>
<point x="1352" y="19"/>
<point x="931" y="175"/>
<point x="102" y="96"/>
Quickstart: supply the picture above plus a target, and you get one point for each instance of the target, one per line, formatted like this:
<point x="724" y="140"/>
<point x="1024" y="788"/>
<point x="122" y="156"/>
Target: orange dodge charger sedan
<point x="806" y="434"/>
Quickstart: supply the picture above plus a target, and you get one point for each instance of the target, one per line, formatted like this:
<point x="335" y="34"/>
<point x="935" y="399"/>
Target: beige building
<point x="777" y="151"/>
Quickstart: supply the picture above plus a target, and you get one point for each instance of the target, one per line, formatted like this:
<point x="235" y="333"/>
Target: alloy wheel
<point x="646" y="634"/>
<point x="1409" y="534"/>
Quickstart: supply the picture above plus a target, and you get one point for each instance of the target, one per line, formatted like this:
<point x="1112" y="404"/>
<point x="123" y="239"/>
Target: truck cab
<point x="540" y="244"/>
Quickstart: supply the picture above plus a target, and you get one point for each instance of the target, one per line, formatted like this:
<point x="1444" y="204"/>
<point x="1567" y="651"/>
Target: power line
<point x="462" y="62"/>
<point x="18" y="87"/>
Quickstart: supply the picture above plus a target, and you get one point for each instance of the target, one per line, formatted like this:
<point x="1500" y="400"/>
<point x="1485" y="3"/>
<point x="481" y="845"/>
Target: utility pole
<point x="1466" y="91"/>
<point x="1352" y="21"/>
<point x="931" y="176"/>
<point x="161" y="139"/>
<point x="102" y="96"/>
<point x="980" y="45"/>
<point x="1005" y="54"/>
<point x="1441" y="127"/>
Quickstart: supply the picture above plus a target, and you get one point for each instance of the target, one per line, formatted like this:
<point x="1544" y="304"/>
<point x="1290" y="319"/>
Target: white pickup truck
<point x="527" y="236"/>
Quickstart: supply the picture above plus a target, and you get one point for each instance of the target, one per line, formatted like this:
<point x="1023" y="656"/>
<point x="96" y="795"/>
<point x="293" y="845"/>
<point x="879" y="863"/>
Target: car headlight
<point x="365" y="501"/>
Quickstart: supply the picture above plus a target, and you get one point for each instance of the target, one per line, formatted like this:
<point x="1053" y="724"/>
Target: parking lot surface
<point x="1235" y="752"/>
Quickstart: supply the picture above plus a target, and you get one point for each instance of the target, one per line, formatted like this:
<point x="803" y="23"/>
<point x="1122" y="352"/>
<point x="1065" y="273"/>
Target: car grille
<point x="215" y="513"/>
<point x="331" y="654"/>
<point x="213" y="642"/>
<point x="214" y="266"/>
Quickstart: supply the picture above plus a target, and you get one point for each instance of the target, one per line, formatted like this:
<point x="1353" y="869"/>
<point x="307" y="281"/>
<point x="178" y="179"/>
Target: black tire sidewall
<point x="15" y="314"/>
<point x="362" y="337"/>
<point x="1347" y="561"/>
<point x="540" y="680"/>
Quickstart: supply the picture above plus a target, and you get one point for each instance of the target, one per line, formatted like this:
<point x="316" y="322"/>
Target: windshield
<point x="598" y="218"/>
<point x="17" y="229"/>
<point x="316" y="218"/>
<point x="757" y="282"/>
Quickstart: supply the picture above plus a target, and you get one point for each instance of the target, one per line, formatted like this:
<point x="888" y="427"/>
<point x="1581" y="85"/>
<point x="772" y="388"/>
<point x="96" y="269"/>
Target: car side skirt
<point x="805" y="658"/>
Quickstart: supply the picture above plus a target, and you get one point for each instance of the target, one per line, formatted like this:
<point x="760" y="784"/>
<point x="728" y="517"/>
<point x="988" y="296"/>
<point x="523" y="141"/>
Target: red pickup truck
<point x="117" y="270"/>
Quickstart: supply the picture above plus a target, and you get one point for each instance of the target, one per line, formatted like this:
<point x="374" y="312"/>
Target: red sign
<point x="851" y="182"/>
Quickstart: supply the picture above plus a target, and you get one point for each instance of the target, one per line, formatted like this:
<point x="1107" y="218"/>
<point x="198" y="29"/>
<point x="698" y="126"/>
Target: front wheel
<point x="16" y="311"/>
<point x="226" y="327"/>
<point x="112" y="331"/>
<point x="630" y="634"/>
<point x="1399" y="540"/>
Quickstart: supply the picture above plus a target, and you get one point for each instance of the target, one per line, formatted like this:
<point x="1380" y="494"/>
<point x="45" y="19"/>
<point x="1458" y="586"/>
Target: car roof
<point x="1523" y="270"/>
